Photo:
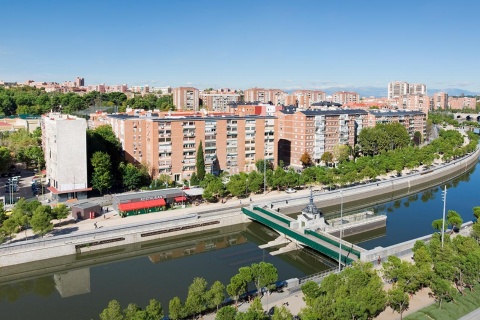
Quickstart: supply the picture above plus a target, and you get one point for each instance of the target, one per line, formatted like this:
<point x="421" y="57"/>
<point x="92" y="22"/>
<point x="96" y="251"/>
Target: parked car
<point x="290" y="190"/>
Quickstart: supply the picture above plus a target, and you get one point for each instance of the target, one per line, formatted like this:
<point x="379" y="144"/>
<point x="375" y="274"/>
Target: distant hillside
<point x="453" y="92"/>
<point x="382" y="92"/>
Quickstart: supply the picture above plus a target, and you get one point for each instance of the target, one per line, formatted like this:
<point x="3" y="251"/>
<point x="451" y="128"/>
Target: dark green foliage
<point x="200" y="163"/>
<point x="103" y="139"/>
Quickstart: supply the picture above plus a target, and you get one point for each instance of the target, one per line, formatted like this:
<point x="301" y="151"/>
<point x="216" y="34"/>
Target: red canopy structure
<point x="180" y="199"/>
<point x="141" y="205"/>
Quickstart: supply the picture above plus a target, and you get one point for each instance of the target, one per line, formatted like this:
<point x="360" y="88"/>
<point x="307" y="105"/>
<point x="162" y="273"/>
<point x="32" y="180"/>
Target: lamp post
<point x="264" y="171"/>
<point x="341" y="226"/>
<point x="444" y="196"/>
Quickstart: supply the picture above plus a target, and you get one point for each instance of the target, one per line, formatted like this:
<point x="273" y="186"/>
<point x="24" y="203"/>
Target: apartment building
<point x="275" y="96"/>
<point x="411" y="120"/>
<point x="304" y="98"/>
<point x="186" y="98"/>
<point x="140" y="89"/>
<point x="398" y="89"/>
<point x="315" y="132"/>
<point x="219" y="101"/>
<point x="253" y="108"/>
<point x="167" y="143"/>
<point x="116" y="88"/>
<point x="459" y="103"/>
<point x="64" y="140"/>
<point x="416" y="102"/>
<point x="439" y="101"/>
<point x="345" y="97"/>
<point x="96" y="87"/>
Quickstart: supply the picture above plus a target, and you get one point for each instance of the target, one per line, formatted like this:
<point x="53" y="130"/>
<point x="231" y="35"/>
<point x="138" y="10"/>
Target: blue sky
<point x="242" y="44"/>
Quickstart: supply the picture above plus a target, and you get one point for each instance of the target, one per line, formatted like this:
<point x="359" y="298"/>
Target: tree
<point x="454" y="219"/>
<point x="5" y="158"/>
<point x="438" y="225"/>
<point x="254" y="312"/>
<point x="40" y="220"/>
<point x="216" y="294"/>
<point x="132" y="312"/>
<point x="260" y="165"/>
<point x="60" y="211"/>
<point x="132" y="177"/>
<point x="398" y="300"/>
<point x="282" y="313"/>
<point x="200" y="164"/>
<point x="236" y="287"/>
<point x="341" y="152"/>
<point x="327" y="157"/>
<point x="175" y="308"/>
<point x="112" y="312"/>
<point x="354" y="293"/>
<point x="102" y="174"/>
<point x="306" y="159"/>
<point x="442" y="290"/>
<point x="226" y="313"/>
<point x="417" y="138"/>
<point x="263" y="274"/>
<point x="154" y="310"/>
<point x="196" y="302"/>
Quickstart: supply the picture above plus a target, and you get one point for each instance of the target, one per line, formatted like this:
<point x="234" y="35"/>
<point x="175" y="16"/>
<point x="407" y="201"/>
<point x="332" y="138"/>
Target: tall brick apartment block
<point x="186" y="98"/>
<point x="168" y="143"/>
<point x="315" y="132"/>
<point x="319" y="131"/>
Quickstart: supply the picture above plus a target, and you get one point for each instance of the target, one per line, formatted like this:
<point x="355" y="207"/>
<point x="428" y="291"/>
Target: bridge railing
<point x="345" y="246"/>
<point x="273" y="215"/>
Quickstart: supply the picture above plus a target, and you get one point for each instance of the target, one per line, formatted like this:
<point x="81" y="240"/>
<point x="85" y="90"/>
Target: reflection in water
<point x="128" y="274"/>
<point x="42" y="286"/>
<point x="72" y="283"/>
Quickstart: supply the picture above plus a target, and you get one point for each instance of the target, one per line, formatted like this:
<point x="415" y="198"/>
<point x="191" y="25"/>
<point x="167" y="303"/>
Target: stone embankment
<point x="202" y="220"/>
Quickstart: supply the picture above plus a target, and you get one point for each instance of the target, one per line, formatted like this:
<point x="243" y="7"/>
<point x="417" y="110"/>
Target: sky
<point x="242" y="44"/>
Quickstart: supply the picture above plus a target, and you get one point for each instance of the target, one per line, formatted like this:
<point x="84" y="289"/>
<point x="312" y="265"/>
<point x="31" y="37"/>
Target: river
<point x="164" y="269"/>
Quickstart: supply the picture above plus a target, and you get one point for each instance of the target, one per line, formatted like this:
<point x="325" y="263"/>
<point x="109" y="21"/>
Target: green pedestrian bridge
<point x="319" y="241"/>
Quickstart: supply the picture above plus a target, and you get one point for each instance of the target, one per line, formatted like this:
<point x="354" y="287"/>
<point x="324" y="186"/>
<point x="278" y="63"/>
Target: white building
<point x="65" y="146"/>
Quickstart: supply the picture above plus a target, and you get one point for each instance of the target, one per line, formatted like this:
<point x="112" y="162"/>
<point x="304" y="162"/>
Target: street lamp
<point x="444" y="196"/>
<point x="341" y="226"/>
<point x="264" y="171"/>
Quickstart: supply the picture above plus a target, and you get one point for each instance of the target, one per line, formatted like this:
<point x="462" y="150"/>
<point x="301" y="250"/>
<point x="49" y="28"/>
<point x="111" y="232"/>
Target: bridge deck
<point x="328" y="247"/>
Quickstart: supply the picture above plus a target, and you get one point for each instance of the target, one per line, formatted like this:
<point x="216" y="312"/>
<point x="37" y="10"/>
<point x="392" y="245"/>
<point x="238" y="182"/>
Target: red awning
<point x="141" y="205"/>
<point x="180" y="199"/>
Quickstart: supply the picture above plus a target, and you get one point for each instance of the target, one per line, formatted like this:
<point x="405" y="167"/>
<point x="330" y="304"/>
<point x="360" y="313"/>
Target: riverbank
<point x="110" y="230"/>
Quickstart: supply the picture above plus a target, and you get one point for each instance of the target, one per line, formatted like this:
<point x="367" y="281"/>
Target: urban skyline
<point x="307" y="45"/>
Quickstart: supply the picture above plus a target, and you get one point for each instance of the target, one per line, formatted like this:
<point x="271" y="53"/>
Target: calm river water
<point x="164" y="269"/>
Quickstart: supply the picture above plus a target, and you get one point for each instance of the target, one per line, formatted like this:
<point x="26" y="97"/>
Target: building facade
<point x="275" y="96"/>
<point x="439" y="101"/>
<point x="65" y="146"/>
<point x="220" y="101"/>
<point x="305" y="98"/>
<point x="315" y="132"/>
<point x="168" y="143"/>
<point x="186" y="98"/>
<point x="411" y="120"/>
<point x="397" y="89"/>
<point x="345" y="97"/>
<point x="459" y="103"/>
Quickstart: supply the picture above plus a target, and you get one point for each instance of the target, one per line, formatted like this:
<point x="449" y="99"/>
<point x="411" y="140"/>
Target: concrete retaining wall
<point x="404" y="248"/>
<point x="35" y="250"/>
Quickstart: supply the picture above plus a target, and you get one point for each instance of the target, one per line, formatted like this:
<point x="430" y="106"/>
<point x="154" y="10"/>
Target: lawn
<point x="451" y="310"/>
